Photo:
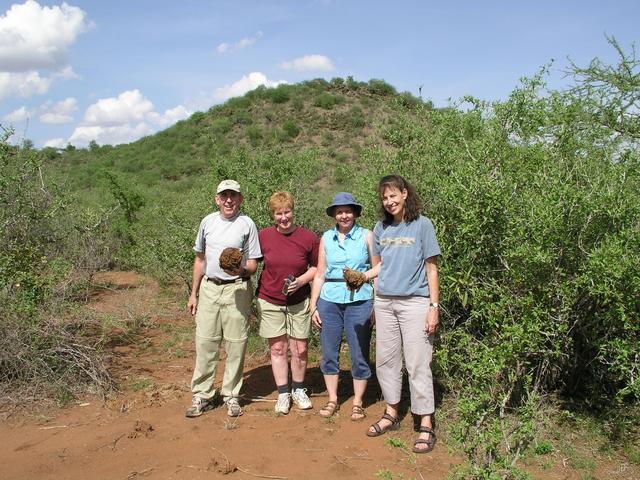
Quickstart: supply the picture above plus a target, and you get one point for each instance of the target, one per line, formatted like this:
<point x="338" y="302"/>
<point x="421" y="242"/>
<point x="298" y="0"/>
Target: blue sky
<point x="113" y="71"/>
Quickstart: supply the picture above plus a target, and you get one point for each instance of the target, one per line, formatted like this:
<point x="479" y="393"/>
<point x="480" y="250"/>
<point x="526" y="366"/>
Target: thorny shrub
<point x="46" y="257"/>
<point x="536" y="202"/>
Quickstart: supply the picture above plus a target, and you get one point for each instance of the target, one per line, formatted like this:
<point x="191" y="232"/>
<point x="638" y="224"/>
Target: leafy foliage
<point x="536" y="201"/>
<point x="41" y="265"/>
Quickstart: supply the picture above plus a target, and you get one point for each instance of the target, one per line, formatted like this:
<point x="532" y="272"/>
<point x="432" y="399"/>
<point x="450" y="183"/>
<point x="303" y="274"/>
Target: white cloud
<point x="17" y="116"/>
<point x="34" y="37"/>
<point x="309" y="63"/>
<point x="25" y="84"/>
<point x="28" y="84"/>
<point x="113" y="134"/>
<point x="121" y="119"/>
<point x="171" y="116"/>
<point x="245" y="84"/>
<point x="48" y="112"/>
<point x="225" y="47"/>
<point x="129" y="106"/>
<point x="248" y="41"/>
<point x="60" y="112"/>
<point x="56" y="143"/>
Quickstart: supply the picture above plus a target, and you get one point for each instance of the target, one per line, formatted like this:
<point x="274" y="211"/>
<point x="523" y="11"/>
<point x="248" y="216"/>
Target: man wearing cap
<point x="221" y="299"/>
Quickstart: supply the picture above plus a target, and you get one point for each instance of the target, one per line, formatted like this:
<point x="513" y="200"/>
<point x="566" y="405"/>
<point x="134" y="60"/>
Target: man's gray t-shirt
<point x="403" y="249"/>
<point x="217" y="233"/>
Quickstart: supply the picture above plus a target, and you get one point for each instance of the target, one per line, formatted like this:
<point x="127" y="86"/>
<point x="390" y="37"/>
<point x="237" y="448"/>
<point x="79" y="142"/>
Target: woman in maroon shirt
<point x="290" y="255"/>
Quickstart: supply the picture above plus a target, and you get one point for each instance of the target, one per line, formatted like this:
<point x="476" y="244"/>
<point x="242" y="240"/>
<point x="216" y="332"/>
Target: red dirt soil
<point x="142" y="432"/>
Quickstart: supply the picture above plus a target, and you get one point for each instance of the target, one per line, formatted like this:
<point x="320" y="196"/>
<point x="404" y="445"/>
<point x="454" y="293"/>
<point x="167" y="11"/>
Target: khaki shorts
<point x="277" y="320"/>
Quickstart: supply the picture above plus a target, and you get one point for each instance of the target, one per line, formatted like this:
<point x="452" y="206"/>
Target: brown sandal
<point x="378" y="430"/>
<point x="329" y="409"/>
<point x="429" y="442"/>
<point x="357" y="413"/>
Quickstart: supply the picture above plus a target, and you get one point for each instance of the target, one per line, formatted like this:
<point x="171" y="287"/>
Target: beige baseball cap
<point x="228" y="185"/>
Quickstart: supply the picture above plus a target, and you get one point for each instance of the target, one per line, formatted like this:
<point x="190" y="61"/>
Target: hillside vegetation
<point x="536" y="202"/>
<point x="336" y="120"/>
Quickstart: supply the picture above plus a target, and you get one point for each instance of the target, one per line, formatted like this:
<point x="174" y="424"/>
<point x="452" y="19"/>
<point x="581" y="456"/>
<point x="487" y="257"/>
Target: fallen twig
<point x="113" y="443"/>
<point x="260" y="476"/>
<point x="355" y="458"/>
<point x="141" y="472"/>
<point x="194" y="467"/>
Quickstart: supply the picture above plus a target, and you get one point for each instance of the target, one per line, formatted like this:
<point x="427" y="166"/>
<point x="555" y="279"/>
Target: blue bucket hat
<point x="342" y="199"/>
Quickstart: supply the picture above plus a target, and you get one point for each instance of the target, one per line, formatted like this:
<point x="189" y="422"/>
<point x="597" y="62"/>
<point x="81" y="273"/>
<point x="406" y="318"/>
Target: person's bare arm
<point x="433" y="315"/>
<point x="196" y="279"/>
<point x="316" y="286"/>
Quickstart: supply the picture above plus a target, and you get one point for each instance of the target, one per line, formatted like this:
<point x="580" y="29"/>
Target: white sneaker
<point x="233" y="407"/>
<point x="301" y="399"/>
<point x="199" y="405"/>
<point x="283" y="405"/>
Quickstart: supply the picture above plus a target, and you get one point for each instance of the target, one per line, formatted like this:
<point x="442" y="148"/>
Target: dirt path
<point x="143" y="433"/>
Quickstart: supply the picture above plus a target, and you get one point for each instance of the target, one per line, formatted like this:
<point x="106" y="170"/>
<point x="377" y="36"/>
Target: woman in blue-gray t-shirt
<point x="405" y="251"/>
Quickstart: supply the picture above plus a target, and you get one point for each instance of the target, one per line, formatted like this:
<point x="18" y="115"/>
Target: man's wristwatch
<point x="434" y="305"/>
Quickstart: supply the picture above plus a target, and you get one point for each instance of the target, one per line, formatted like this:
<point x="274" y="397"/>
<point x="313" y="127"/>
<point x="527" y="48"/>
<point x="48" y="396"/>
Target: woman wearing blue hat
<point x="336" y="308"/>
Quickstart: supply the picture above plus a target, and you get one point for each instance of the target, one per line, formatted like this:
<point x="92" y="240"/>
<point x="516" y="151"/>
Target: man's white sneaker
<point x="301" y="399"/>
<point x="199" y="405"/>
<point x="233" y="407"/>
<point x="283" y="405"/>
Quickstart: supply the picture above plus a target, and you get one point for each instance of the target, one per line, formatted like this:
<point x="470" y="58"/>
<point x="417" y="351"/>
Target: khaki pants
<point x="223" y="312"/>
<point x="400" y="326"/>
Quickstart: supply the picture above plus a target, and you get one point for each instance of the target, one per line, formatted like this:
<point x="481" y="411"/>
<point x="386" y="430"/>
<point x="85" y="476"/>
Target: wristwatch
<point x="434" y="305"/>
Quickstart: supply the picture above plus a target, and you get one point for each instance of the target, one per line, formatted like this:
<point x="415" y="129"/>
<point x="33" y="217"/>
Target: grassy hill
<point x="335" y="119"/>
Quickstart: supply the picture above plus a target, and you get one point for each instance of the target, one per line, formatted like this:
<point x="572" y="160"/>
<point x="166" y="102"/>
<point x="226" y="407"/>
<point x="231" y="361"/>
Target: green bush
<point x="46" y="254"/>
<point x="536" y="203"/>
<point x="279" y="94"/>
<point x="380" y="87"/>
<point x="407" y="100"/>
<point x="326" y="101"/>
<point x="238" y="103"/>
<point x="354" y="85"/>
<point x="254" y="135"/>
<point x="243" y="117"/>
<point x="221" y="126"/>
<point x="290" y="130"/>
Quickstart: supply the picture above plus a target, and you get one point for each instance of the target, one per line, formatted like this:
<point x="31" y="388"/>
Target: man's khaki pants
<point x="223" y="312"/>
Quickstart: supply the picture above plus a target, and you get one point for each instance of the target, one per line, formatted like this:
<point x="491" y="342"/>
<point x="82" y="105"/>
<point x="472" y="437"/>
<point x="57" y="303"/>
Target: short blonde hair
<point x="280" y="200"/>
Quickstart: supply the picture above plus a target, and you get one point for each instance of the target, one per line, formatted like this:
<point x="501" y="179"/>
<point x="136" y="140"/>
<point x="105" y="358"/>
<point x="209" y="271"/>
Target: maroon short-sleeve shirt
<point x="284" y="255"/>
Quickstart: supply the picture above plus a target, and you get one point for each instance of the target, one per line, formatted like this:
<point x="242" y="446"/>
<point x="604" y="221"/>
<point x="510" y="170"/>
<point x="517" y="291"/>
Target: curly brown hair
<point x="413" y="205"/>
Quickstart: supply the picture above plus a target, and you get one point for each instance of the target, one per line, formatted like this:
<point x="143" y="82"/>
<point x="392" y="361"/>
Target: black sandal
<point x="378" y="430"/>
<point x="429" y="442"/>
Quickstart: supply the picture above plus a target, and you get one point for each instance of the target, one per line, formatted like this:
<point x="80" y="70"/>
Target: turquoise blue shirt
<point x="352" y="253"/>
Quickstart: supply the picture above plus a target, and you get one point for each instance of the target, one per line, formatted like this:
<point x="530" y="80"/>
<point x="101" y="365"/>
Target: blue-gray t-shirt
<point x="403" y="249"/>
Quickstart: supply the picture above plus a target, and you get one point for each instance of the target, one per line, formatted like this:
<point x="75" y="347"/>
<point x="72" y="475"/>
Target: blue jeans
<point x="353" y="319"/>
